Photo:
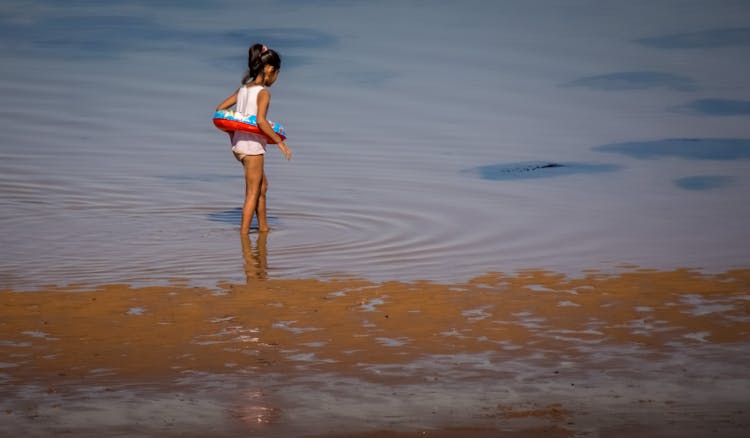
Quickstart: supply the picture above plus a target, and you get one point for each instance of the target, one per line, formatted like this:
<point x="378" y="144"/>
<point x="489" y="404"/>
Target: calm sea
<point x="434" y="140"/>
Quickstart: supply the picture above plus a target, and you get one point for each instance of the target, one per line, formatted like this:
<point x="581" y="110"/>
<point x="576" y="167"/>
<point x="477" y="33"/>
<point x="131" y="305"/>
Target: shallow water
<point x="433" y="142"/>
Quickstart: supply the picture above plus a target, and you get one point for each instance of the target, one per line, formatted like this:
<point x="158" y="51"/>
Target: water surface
<point x="111" y="171"/>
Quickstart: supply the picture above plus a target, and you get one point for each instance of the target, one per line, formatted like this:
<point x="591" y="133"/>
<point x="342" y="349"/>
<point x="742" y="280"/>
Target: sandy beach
<point x="531" y="354"/>
<point x="518" y="218"/>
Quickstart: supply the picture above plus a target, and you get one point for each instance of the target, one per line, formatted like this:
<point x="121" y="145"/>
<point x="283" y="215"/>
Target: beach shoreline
<point x="532" y="353"/>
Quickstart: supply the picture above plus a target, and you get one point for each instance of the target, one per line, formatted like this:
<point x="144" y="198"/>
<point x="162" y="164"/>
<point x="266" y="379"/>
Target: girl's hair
<point x="259" y="56"/>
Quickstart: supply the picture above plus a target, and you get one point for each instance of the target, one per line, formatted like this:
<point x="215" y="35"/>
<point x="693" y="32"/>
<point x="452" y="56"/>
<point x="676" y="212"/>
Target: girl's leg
<point x="261" y="210"/>
<point x="253" y="165"/>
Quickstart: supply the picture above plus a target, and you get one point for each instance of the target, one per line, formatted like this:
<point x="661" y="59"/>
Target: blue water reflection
<point x="704" y="182"/>
<point x="107" y="136"/>
<point x="537" y="169"/>
<point x="635" y="80"/>
<point x="705" y="39"/>
<point x="717" y="107"/>
<point x="112" y="35"/>
<point x="690" y="148"/>
<point x="105" y="36"/>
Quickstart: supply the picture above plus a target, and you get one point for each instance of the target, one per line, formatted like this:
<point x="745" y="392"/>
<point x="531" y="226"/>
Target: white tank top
<point x="243" y="142"/>
<point x="247" y="99"/>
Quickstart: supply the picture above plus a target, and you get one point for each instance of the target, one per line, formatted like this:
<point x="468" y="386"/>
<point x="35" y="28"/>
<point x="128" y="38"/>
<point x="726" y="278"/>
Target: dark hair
<point x="257" y="58"/>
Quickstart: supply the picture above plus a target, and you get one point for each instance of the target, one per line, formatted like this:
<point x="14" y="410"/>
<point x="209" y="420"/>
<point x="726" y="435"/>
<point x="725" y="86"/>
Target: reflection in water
<point x="256" y="261"/>
<point x="541" y="169"/>
<point x="254" y="411"/>
<point x="704" y="182"/>
<point x="704" y="39"/>
<point x="108" y="36"/>
<point x="384" y="198"/>
<point x="717" y="107"/>
<point x="690" y="148"/>
<point x="635" y="80"/>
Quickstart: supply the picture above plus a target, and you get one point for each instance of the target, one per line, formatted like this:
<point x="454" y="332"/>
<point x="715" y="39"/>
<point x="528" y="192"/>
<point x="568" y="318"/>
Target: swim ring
<point x="228" y="120"/>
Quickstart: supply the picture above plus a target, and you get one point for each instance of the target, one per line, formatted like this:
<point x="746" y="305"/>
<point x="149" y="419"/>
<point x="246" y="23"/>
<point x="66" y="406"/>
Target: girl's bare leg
<point x="253" y="165"/>
<point x="261" y="210"/>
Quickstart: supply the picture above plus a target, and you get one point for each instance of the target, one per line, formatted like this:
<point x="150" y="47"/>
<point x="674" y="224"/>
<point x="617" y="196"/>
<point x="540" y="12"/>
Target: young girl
<point x="253" y="98"/>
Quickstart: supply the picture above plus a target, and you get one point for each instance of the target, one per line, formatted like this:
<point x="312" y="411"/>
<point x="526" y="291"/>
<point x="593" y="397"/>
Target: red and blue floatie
<point x="228" y="120"/>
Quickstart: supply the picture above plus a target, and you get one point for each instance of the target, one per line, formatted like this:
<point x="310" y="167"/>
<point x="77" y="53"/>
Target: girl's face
<point x="270" y="74"/>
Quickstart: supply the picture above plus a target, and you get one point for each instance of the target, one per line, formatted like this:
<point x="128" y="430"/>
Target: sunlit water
<point x="431" y="140"/>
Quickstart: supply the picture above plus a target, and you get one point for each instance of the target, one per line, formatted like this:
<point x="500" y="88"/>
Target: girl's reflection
<point x="255" y="258"/>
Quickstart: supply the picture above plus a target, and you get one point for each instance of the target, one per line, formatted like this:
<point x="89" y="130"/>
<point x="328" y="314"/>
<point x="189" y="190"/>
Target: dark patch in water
<point x="704" y="182"/>
<point x="690" y="148"/>
<point x="634" y="80"/>
<point x="706" y="39"/>
<point x="103" y="36"/>
<point x="717" y="107"/>
<point x="234" y="217"/>
<point x="537" y="169"/>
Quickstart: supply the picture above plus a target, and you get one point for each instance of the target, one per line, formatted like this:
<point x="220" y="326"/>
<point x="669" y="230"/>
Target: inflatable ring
<point x="228" y="120"/>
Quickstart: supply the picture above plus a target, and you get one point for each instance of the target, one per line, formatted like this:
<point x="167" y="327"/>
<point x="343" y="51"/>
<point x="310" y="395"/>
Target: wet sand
<point x="528" y="354"/>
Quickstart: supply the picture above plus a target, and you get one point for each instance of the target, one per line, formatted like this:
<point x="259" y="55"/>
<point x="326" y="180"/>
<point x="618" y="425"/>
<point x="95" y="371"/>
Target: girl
<point x="253" y="98"/>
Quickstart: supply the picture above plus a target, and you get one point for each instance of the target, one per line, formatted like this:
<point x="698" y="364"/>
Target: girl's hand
<point x="285" y="150"/>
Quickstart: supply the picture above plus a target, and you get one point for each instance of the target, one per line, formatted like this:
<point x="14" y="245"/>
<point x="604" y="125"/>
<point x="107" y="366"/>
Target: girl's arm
<point x="264" y="98"/>
<point x="229" y="101"/>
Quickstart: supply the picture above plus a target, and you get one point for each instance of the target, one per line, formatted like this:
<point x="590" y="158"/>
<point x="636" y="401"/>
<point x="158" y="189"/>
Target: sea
<point x="431" y="140"/>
